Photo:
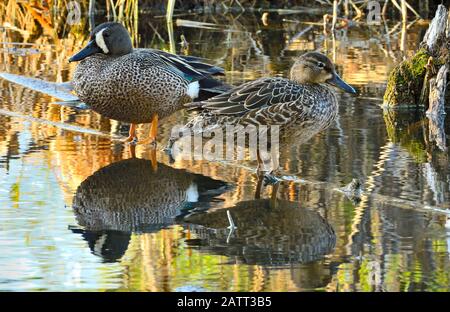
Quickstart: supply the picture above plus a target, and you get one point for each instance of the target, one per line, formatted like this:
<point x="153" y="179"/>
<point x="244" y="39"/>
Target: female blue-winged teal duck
<point x="138" y="85"/>
<point x="304" y="104"/>
<point x="306" y="96"/>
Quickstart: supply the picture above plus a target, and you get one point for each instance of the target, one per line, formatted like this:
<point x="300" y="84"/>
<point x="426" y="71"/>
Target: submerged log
<point x="409" y="83"/>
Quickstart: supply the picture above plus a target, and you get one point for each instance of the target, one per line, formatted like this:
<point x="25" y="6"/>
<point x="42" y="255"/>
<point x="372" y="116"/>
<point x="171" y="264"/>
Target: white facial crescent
<point x="101" y="41"/>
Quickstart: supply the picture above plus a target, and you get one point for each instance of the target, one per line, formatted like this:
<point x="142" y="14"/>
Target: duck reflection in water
<point x="133" y="195"/>
<point x="268" y="232"/>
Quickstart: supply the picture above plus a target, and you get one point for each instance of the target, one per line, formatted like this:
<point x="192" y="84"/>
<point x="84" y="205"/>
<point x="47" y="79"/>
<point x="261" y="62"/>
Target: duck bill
<point x="89" y="49"/>
<point x="341" y="84"/>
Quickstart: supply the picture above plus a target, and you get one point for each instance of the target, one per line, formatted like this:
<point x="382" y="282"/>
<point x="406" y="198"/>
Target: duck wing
<point x="252" y="96"/>
<point x="200" y="65"/>
<point x="192" y="66"/>
<point x="170" y="61"/>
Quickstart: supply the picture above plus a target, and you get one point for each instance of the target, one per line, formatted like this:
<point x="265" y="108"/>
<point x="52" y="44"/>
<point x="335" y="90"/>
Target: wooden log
<point x="438" y="88"/>
<point x="405" y="82"/>
<point x="436" y="109"/>
<point x="436" y="32"/>
<point x="436" y="132"/>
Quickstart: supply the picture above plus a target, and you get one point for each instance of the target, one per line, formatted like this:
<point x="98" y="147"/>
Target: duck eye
<point x="320" y="65"/>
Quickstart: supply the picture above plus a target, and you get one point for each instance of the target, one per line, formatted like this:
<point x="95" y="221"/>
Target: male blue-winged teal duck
<point x="138" y="85"/>
<point x="304" y="104"/>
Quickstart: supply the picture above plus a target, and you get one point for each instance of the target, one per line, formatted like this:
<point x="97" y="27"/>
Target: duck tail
<point x="204" y="68"/>
<point x="210" y="87"/>
<point x="208" y="187"/>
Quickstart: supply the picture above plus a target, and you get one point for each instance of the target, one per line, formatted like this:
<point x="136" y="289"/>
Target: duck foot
<point x="169" y="149"/>
<point x="169" y="145"/>
<point x="270" y="178"/>
<point x="168" y="152"/>
<point x="132" y="137"/>
<point x="135" y="141"/>
<point x="353" y="191"/>
<point x="131" y="141"/>
<point x="149" y="141"/>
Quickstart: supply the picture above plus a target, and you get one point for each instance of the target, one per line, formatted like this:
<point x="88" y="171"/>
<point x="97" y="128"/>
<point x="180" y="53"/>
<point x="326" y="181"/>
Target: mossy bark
<point x="405" y="82"/>
<point x="409" y="83"/>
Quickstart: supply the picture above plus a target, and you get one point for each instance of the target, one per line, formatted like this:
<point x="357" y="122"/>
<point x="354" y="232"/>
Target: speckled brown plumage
<point x="133" y="85"/>
<point x="304" y="101"/>
<point x="130" y="88"/>
<point x="270" y="101"/>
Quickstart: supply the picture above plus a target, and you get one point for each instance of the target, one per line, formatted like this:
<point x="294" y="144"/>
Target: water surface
<point x="302" y="235"/>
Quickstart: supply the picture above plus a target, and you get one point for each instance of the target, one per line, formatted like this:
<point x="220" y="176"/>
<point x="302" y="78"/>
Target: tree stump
<point x="414" y="80"/>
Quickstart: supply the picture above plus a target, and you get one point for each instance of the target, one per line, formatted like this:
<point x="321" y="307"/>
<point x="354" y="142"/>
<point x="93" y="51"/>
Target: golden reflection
<point x="378" y="246"/>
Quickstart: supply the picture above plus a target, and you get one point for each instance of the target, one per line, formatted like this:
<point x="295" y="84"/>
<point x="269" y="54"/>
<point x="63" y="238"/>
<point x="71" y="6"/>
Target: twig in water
<point x="232" y="227"/>
<point x="230" y="220"/>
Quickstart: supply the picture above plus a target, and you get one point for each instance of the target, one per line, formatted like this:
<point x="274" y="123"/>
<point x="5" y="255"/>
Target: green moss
<point x="418" y="63"/>
<point x="405" y="81"/>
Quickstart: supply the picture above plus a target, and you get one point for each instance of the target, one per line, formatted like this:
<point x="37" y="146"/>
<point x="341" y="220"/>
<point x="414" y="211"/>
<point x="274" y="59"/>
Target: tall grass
<point x="45" y="23"/>
<point x="50" y="17"/>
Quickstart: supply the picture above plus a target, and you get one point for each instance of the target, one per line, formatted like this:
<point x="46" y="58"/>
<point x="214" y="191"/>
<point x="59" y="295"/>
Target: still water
<point x="77" y="214"/>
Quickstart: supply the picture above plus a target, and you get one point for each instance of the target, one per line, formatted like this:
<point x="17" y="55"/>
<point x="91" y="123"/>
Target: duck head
<point x="314" y="67"/>
<point x="108" y="38"/>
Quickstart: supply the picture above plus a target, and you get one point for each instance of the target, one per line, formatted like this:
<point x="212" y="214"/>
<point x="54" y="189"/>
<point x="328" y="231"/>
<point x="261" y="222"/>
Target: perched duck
<point x="138" y="85"/>
<point x="305" y="103"/>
